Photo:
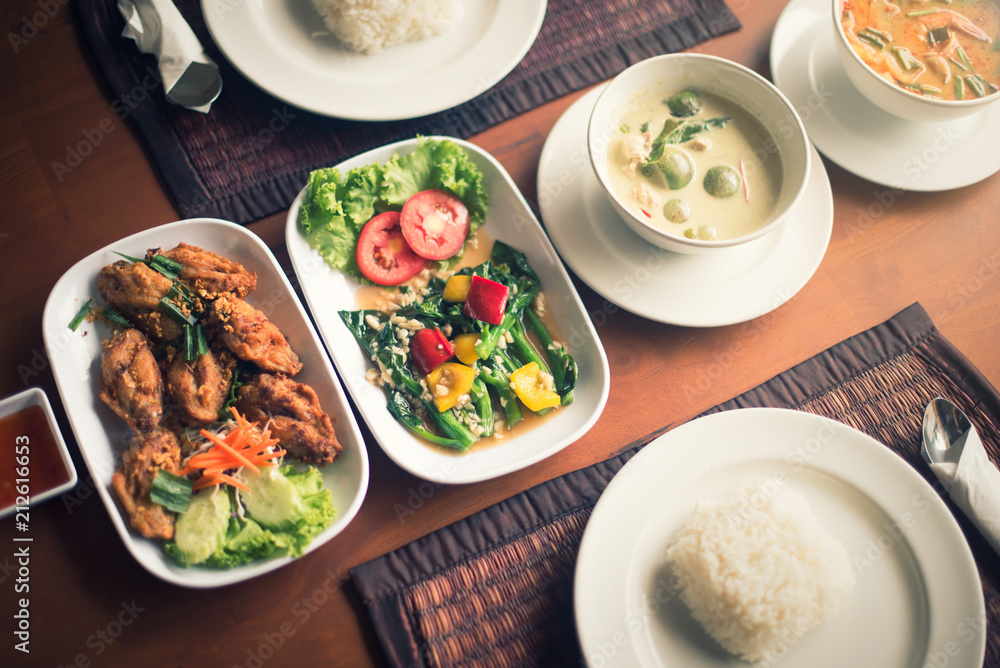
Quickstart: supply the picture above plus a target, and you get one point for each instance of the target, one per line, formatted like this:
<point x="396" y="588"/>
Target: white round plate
<point x="917" y="597"/>
<point x="287" y="50"/>
<point x="510" y="220"/>
<point x="859" y="136"/>
<point x="76" y="365"/>
<point x="728" y="286"/>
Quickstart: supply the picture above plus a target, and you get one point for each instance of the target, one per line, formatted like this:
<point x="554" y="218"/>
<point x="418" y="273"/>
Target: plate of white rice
<point x="791" y="539"/>
<point x="374" y="60"/>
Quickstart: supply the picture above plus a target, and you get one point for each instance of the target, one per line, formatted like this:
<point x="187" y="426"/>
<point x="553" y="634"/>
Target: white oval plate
<point x="102" y="435"/>
<point x="725" y="287"/>
<point x="859" y="136"/>
<point x="917" y="597"/>
<point x="509" y="219"/>
<point x="280" y="47"/>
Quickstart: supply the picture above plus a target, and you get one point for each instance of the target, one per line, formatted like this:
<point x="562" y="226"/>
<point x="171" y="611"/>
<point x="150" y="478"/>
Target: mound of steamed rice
<point x="757" y="570"/>
<point x="369" y="26"/>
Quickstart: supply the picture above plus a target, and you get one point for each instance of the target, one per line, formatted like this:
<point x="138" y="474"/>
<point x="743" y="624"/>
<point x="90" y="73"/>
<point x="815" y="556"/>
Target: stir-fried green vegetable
<point x="502" y="349"/>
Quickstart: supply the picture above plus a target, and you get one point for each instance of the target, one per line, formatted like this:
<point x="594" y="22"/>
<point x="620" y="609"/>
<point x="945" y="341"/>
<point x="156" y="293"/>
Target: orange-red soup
<point x="948" y="51"/>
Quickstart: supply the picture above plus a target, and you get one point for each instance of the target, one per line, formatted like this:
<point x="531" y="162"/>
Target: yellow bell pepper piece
<point x="534" y="388"/>
<point x="457" y="288"/>
<point x="449" y="381"/>
<point x="465" y="347"/>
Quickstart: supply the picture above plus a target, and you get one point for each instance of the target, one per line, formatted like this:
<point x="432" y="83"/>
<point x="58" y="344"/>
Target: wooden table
<point x="92" y="604"/>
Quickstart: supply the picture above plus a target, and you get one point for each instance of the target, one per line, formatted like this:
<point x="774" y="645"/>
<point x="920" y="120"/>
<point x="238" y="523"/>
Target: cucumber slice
<point x="202" y="529"/>
<point x="271" y="499"/>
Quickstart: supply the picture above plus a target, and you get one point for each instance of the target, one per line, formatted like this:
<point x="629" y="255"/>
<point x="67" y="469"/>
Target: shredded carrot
<point x="242" y="446"/>
<point x="217" y="479"/>
<point x="746" y="186"/>
<point x="238" y="456"/>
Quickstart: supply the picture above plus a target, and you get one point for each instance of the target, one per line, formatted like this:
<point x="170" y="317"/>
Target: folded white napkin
<point x="974" y="486"/>
<point x="190" y="77"/>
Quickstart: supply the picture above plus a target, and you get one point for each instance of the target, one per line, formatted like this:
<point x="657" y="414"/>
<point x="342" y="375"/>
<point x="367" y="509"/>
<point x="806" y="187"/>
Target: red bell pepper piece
<point x="487" y="300"/>
<point x="429" y="348"/>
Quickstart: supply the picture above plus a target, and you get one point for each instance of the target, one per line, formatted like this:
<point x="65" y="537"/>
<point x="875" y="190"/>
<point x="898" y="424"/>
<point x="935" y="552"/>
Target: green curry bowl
<point x="696" y="152"/>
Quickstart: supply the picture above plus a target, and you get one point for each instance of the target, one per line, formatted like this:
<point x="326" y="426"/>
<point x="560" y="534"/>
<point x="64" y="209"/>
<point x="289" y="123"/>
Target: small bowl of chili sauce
<point x="34" y="461"/>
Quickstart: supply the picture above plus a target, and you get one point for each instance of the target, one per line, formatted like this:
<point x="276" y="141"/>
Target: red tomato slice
<point x="383" y="255"/>
<point x="435" y="223"/>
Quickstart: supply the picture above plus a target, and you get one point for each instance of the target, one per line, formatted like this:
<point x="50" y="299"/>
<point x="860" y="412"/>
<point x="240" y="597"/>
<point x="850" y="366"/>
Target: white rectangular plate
<point x="510" y="220"/>
<point x="102" y="435"/>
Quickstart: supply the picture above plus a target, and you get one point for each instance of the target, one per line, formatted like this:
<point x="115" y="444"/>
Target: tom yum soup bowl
<point x="696" y="152"/>
<point x="929" y="62"/>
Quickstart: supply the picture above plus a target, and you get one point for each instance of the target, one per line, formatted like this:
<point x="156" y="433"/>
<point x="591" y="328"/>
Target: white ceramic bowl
<point x="728" y="80"/>
<point x="890" y="97"/>
<point x="30" y="447"/>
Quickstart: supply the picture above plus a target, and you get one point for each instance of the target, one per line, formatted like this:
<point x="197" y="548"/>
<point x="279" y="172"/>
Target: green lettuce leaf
<point x="337" y="206"/>
<point x="247" y="541"/>
<point x="405" y="176"/>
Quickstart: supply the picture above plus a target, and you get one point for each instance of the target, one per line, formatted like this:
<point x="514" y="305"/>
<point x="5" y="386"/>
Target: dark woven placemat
<point x="251" y="154"/>
<point x="495" y="589"/>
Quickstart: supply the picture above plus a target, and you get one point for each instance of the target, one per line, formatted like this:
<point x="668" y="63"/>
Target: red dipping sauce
<point x="30" y="457"/>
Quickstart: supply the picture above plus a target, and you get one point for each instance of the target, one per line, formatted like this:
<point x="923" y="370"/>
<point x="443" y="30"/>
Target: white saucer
<point x="729" y="286"/>
<point x="859" y="136"/>
<point x="286" y="49"/>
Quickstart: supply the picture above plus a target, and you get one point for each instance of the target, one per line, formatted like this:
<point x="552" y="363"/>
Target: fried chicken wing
<point x="135" y="290"/>
<point x="294" y="415"/>
<point x="199" y="388"/>
<point x="131" y="383"/>
<point x="148" y="453"/>
<point x="249" y="335"/>
<point x="209" y="274"/>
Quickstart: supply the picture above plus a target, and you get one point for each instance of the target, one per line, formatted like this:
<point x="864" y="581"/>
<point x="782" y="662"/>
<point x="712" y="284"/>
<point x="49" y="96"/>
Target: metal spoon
<point x="198" y="87"/>
<point x="975" y="485"/>
<point x="946" y="429"/>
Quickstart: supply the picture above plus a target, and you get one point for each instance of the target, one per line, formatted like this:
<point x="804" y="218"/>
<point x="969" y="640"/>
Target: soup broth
<point x="942" y="50"/>
<point x="720" y="183"/>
